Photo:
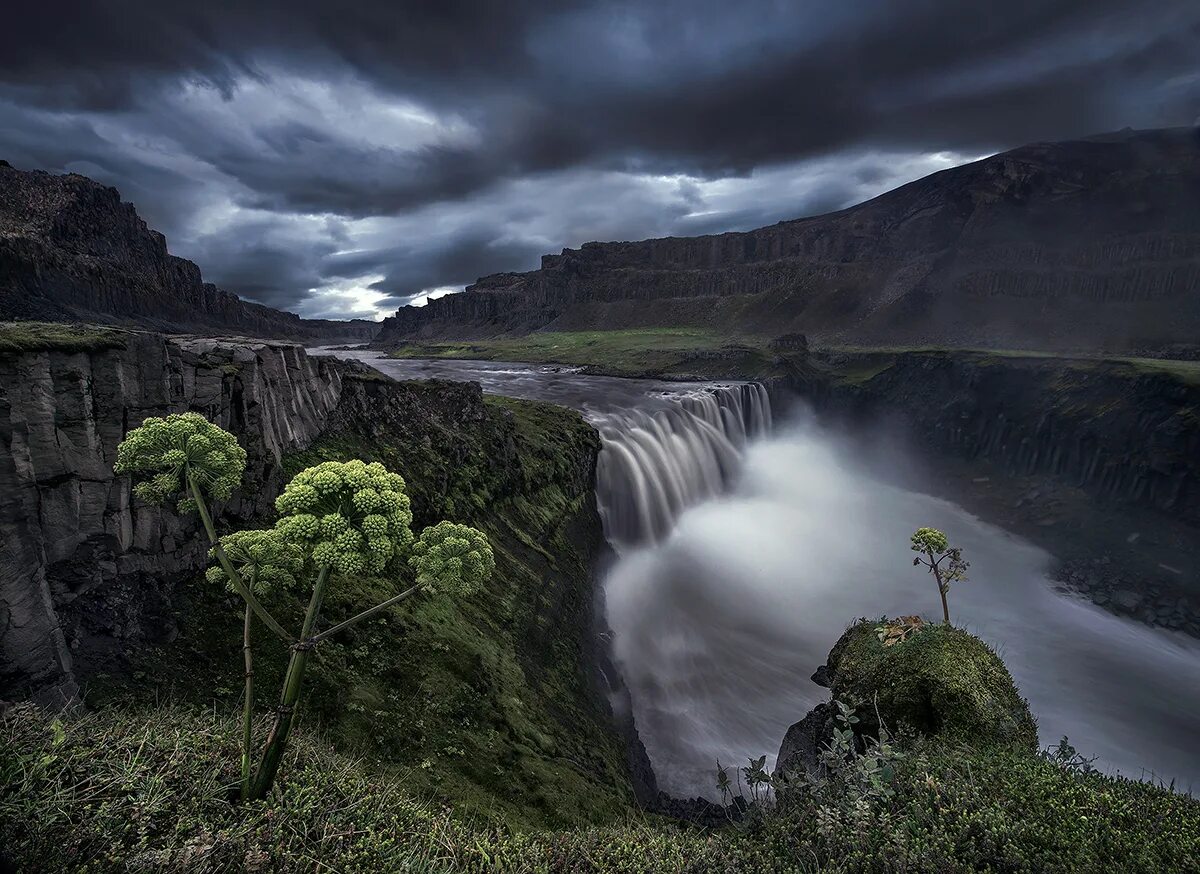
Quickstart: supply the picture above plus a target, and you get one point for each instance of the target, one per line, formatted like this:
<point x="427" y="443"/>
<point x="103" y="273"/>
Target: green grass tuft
<point x="20" y="337"/>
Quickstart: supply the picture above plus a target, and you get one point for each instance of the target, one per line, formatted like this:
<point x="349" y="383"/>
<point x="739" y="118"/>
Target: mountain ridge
<point x="72" y="250"/>
<point x="1082" y="244"/>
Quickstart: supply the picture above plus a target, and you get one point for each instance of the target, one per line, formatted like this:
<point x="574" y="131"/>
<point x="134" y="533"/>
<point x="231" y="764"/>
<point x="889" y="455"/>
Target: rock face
<point x="941" y="682"/>
<point x="71" y="250"/>
<point x="1124" y="432"/>
<point x="800" y="751"/>
<point x="1087" y="244"/>
<point x="69" y="527"/>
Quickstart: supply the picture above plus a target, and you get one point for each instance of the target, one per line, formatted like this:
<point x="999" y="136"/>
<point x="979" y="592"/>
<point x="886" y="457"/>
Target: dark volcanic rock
<point x="86" y="571"/>
<point x="800" y="751"/>
<point x="1087" y="244"/>
<point x="1123" y="433"/>
<point x="72" y="250"/>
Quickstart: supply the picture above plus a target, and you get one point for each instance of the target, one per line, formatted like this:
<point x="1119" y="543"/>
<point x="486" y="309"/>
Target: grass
<point x="865" y="362"/>
<point x="961" y="809"/>
<point x="20" y="337"/>
<point x="633" y="352"/>
<point x="485" y="702"/>
<point x="149" y="789"/>
<point x="676" y="352"/>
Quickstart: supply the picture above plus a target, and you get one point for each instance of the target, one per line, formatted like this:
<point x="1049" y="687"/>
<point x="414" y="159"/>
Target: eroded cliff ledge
<point x="1084" y="245"/>
<point x="69" y="526"/>
<point x="72" y="250"/>
<point x="492" y="702"/>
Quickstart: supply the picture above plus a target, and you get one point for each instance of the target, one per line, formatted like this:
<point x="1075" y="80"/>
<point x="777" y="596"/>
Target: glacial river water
<point x="746" y="544"/>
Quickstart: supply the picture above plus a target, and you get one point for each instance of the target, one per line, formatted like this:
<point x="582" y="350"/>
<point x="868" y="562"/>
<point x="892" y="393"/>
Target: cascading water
<point x="656" y="463"/>
<point x="744" y="549"/>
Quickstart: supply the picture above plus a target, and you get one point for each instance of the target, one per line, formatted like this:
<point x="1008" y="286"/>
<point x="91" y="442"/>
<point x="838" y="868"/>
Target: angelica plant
<point x="935" y="550"/>
<point x="337" y="520"/>
<point x="353" y="519"/>
<point x="190" y="460"/>
<point x="264" y="562"/>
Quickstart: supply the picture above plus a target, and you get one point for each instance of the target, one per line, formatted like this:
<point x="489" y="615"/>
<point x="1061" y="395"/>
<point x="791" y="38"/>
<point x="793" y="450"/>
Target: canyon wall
<point x="72" y="250"/>
<point x="69" y="526"/>
<point x="1122" y="432"/>
<point x="496" y="702"/>
<point x="1082" y="245"/>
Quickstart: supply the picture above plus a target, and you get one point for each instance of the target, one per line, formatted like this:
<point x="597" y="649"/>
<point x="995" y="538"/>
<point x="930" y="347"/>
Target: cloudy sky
<point x="343" y="159"/>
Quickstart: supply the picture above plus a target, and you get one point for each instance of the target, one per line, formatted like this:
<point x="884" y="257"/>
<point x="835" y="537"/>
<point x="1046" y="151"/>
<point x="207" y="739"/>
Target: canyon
<point x="1084" y="245"/>
<point x="1074" y="471"/>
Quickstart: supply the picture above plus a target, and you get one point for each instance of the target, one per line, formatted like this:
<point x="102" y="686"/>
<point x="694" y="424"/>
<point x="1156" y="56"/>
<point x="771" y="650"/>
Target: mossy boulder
<point x="940" y="681"/>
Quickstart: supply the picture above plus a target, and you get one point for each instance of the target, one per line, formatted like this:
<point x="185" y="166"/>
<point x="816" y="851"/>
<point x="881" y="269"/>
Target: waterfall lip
<point x="660" y="460"/>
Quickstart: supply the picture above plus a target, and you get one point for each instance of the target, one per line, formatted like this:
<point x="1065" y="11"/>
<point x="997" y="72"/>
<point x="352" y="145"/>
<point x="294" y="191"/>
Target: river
<point x="746" y="545"/>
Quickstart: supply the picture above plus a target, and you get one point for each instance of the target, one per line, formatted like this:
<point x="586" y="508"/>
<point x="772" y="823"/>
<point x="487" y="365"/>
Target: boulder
<point x="941" y="681"/>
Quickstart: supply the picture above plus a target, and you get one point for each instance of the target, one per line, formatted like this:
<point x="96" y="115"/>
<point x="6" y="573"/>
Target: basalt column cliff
<point x="1084" y="245"/>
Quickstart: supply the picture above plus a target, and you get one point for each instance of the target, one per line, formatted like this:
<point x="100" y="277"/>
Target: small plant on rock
<point x="337" y="520"/>
<point x="944" y="561"/>
<point x="857" y="776"/>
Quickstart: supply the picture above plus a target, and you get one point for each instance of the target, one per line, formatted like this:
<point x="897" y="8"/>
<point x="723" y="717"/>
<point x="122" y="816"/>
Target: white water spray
<point x="659" y="461"/>
<point x="718" y="627"/>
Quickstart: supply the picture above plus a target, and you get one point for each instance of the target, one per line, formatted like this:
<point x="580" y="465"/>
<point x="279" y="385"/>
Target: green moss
<point x="633" y="352"/>
<point x="485" y="701"/>
<point x="149" y="789"/>
<point x="20" y="337"/>
<point x="941" y="681"/>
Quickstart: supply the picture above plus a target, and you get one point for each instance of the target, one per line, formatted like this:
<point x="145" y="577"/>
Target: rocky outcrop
<point x="800" y="751"/>
<point x="71" y="250"/>
<point x="939" y="682"/>
<point x="69" y="528"/>
<point x="1124" y="432"/>
<point x="1087" y="244"/>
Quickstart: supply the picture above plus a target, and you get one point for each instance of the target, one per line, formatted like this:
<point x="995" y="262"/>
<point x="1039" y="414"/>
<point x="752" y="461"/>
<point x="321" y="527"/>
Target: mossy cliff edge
<point x="148" y="790"/>
<point x="490" y="704"/>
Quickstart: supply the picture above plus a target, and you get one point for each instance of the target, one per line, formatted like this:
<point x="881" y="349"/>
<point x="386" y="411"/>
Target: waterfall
<point x="659" y="460"/>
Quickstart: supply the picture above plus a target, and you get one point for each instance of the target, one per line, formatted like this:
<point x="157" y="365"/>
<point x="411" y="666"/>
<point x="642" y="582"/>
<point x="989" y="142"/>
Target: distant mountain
<point x="71" y="250"/>
<point x="1086" y="244"/>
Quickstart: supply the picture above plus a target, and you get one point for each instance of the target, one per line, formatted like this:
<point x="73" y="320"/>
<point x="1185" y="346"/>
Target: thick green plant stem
<point x="286" y="711"/>
<point x="248" y="704"/>
<point x="366" y="614"/>
<point x="228" y="567"/>
<point x="937" y="575"/>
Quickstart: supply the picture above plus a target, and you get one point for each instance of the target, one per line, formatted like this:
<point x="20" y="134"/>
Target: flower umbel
<point x="350" y="516"/>
<point x="452" y="558"/>
<point x="180" y="446"/>
<point x="264" y="560"/>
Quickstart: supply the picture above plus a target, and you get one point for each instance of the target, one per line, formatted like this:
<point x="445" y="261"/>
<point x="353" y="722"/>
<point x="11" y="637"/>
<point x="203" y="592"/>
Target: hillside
<point x="72" y="250"/>
<point x="489" y="703"/>
<point x="1088" y="244"/>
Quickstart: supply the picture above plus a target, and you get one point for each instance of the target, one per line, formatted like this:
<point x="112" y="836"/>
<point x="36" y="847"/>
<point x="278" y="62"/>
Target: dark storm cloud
<point x="405" y="121"/>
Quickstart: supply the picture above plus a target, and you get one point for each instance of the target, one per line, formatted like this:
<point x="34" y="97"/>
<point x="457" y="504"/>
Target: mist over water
<point x="743" y="557"/>
<point x="718" y="628"/>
